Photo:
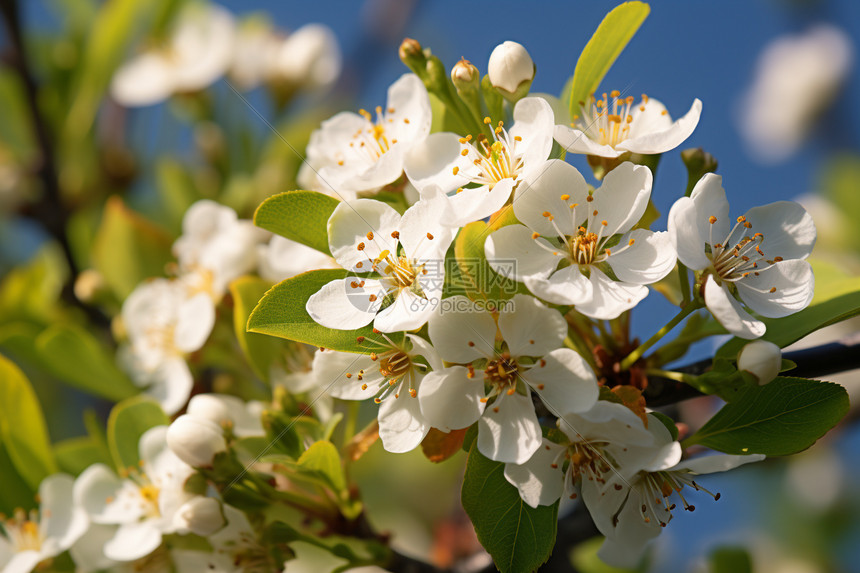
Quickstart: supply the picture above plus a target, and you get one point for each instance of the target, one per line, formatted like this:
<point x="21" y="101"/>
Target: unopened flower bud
<point x="511" y="69"/>
<point x="195" y="440"/>
<point x="465" y="75"/>
<point x="410" y="50"/>
<point x="217" y="408"/>
<point x="201" y="516"/>
<point x="762" y="359"/>
<point x="88" y="285"/>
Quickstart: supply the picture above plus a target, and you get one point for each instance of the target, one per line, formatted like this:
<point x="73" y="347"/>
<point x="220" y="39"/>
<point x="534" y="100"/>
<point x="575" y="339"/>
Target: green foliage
<point x="74" y="455"/>
<point x="610" y="39"/>
<point x="281" y="312"/>
<point x="176" y="190"/>
<point x="127" y="423"/>
<point x="75" y="356"/>
<point x="730" y="560"/>
<point x="301" y="216"/>
<point x="840" y="183"/>
<point x="519" y="538"/>
<point x="128" y="248"/>
<point x="781" y="418"/>
<point x="323" y="460"/>
<point x="260" y="350"/>
<point x="584" y="558"/>
<point x="479" y="280"/>
<point x="15" y="491"/>
<point x="22" y="427"/>
<point x="30" y="292"/>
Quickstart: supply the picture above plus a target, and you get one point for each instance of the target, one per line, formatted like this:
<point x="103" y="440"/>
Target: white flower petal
<point x="710" y="199"/>
<point x="401" y="425"/>
<point x="430" y="163"/>
<point x="407" y="312"/>
<point x="422" y="221"/>
<point x="564" y="381"/>
<point x="665" y="139"/>
<point x="513" y="253"/>
<point x="170" y="384"/>
<point x="330" y="369"/>
<point x="531" y="328"/>
<point x="421" y="347"/>
<point x="534" y="123"/>
<point x="622" y="198"/>
<point x="509" y="430"/>
<point x="23" y="562"/>
<point x="450" y="400"/>
<point x="626" y="546"/>
<point x="610" y="298"/>
<point x="729" y="312"/>
<point x="344" y="304"/>
<point x="133" y="541"/>
<point x="143" y="81"/>
<point x="685" y="235"/>
<point x="788" y="229"/>
<point x="540" y="480"/>
<point x="95" y="486"/>
<point x="282" y="259"/>
<point x="716" y="463"/>
<point x="649" y="117"/>
<point x="63" y="522"/>
<point x="409" y="99"/>
<point x="565" y="286"/>
<point x="650" y="258"/>
<point x="348" y="228"/>
<point x="194" y="322"/>
<point x="464" y="334"/>
<point x="540" y="192"/>
<point x="480" y="202"/>
<point x="201" y="46"/>
<point x="573" y="140"/>
<point x="794" y="284"/>
<point x="387" y="169"/>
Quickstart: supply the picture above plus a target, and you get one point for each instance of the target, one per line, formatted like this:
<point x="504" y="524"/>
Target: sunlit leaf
<point x="301" y="216"/>
<point x="128" y="421"/>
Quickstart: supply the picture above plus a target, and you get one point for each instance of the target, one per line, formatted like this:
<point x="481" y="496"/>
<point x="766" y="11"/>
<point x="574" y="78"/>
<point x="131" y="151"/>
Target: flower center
<point x="502" y="373"/>
<point x="494" y="160"/>
<point x="608" y="121"/>
<point x="23" y="531"/>
<point x="372" y="141"/>
<point x="397" y="368"/>
<point x="740" y="254"/>
<point x="399" y="270"/>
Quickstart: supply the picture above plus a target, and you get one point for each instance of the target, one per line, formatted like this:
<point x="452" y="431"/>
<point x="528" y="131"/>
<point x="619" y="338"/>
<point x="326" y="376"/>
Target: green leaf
<point x="781" y="418"/>
<point x="301" y="216"/>
<point x="75" y="356"/>
<point x="22" y="426"/>
<point x="128" y="248"/>
<point x="519" y="538"/>
<point x="668" y="422"/>
<point x="15" y="492"/>
<point x="127" y="423"/>
<point x="260" y="350"/>
<point x="608" y="41"/>
<point x="30" y="291"/>
<point x="584" y="558"/>
<point x="835" y="300"/>
<point x="479" y="280"/>
<point x="281" y="312"/>
<point x="77" y="454"/>
<point x="322" y="459"/>
<point x="730" y="560"/>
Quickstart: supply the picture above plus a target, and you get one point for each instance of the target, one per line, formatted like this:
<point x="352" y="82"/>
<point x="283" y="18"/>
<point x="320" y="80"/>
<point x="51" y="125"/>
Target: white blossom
<point x="195" y="440"/>
<point x="570" y="235"/>
<point x="309" y="58"/>
<point x="760" y="259"/>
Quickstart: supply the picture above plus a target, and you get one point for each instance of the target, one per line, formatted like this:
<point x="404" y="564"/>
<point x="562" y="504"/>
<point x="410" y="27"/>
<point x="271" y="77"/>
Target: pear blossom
<point x="492" y="381"/>
<point x="570" y="237"/>
<point x="483" y="172"/>
<point x="282" y="258"/>
<point x="197" y="52"/>
<point x="255" y="48"/>
<point x="630" y="510"/>
<point x="613" y="125"/>
<point x="28" y="538"/>
<point x="163" y="325"/>
<point x="241" y="418"/>
<point x="759" y="260"/>
<point x="797" y="76"/>
<point x="309" y="58"/>
<point x="408" y="252"/>
<point x="195" y="440"/>
<point x="392" y="376"/>
<point x="354" y="153"/>
<point x="215" y="247"/>
<point x="605" y="440"/>
<point x="145" y="505"/>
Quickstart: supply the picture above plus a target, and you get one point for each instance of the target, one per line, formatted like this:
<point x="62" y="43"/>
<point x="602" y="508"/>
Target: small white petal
<point x="348" y="228"/>
<point x="788" y="229"/>
<point x="430" y="163"/>
<point x="665" y="139"/>
<point x="573" y="140"/>
<point x="564" y="381"/>
<point x="534" y="123"/>
<point x="565" y="286"/>
<point x="133" y="541"/>
<point x="423" y="220"/>
<point x="450" y="400"/>
<point x="716" y="463"/>
<point x="729" y="312"/>
<point x="330" y="369"/>
<point x="622" y="198"/>
<point x="710" y="199"/>
<point x="540" y="480"/>
<point x="478" y="203"/>
<point x="401" y="425"/>
<point x="63" y="521"/>
<point x="341" y="305"/>
<point x="685" y="234"/>
<point x="610" y="298"/>
<point x="23" y="562"/>
<point x="95" y="487"/>
<point x="509" y="430"/>
<point x="512" y="253"/>
<point x="531" y="328"/>
<point x="540" y="192"/>
<point x="650" y="258"/>
<point x="407" y="312"/>
<point x="143" y="81"/>
<point x="194" y="323"/>
<point x="409" y="99"/>
<point x="794" y="284"/>
<point x="170" y="384"/>
<point x="464" y="334"/>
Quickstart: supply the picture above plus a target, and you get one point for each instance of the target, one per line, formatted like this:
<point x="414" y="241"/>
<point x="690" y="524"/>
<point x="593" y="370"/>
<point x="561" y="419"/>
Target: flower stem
<point x="637" y="354"/>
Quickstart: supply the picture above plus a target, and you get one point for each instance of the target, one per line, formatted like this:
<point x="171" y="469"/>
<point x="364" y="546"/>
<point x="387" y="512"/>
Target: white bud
<point x="195" y="440"/>
<point x="510" y="65"/>
<point x="201" y="516"/>
<point x="218" y="408"/>
<point x="309" y="58"/>
<point x="762" y="359"/>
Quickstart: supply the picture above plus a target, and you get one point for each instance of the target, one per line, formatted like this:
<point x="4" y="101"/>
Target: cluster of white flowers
<point x="205" y="43"/>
